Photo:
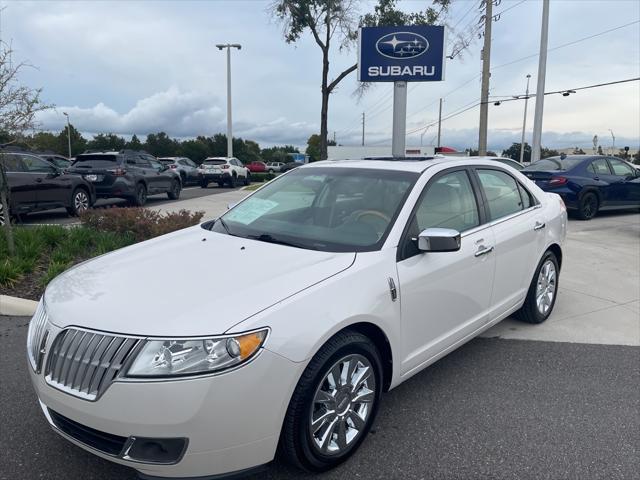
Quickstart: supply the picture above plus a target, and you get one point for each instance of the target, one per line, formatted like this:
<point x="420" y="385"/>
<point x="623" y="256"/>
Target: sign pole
<point x="399" y="119"/>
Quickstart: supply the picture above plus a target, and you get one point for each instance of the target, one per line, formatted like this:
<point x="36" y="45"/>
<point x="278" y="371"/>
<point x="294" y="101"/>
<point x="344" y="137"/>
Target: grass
<point x="253" y="186"/>
<point x="43" y="252"/>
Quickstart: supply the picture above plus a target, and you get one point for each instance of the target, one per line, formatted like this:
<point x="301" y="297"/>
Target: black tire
<point x="220" y="184"/>
<point x="296" y="442"/>
<point x="204" y="184"/>
<point x="530" y="312"/>
<point x="140" y="197"/>
<point x="232" y="181"/>
<point x="588" y="206"/>
<point x="80" y="201"/>
<point x="271" y="170"/>
<point x="174" y="192"/>
<point x="247" y="179"/>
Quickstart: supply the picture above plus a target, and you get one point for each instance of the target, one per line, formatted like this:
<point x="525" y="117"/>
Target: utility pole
<point x="486" y="65"/>
<point x="613" y="147"/>
<point x="542" y="72"/>
<point x="363" y="129"/>
<point x="524" y="121"/>
<point x="68" y="133"/>
<point x="439" y="121"/>
<point x="229" y="46"/>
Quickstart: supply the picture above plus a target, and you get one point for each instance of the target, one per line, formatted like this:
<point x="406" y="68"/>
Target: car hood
<point x="190" y="282"/>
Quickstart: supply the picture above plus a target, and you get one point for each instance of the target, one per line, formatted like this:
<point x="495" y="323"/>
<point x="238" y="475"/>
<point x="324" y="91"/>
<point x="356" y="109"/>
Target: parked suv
<point x="36" y="184"/>
<point x="223" y="170"/>
<point x="185" y="167"/>
<point x="127" y="174"/>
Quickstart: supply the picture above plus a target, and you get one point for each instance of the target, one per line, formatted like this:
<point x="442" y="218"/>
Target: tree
<point x="161" y="145"/>
<point x="513" y="152"/>
<point x="578" y="151"/>
<point x="548" y="152"/>
<point x="335" y="22"/>
<point x="106" y="143"/>
<point x="46" y="142"/>
<point x="474" y="153"/>
<point x="278" y="154"/>
<point x="19" y="105"/>
<point x="196" y="150"/>
<point x="134" y="143"/>
<point x="313" y="147"/>
<point x="78" y="142"/>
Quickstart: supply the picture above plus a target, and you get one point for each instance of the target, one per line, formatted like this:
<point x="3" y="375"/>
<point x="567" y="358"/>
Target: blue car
<point x="588" y="183"/>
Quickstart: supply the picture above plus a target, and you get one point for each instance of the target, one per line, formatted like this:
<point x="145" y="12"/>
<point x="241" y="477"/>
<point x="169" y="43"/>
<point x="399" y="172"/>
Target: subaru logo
<point x="402" y="45"/>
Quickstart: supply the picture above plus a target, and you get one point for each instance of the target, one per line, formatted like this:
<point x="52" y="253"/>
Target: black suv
<point x="36" y="184"/>
<point x="127" y="174"/>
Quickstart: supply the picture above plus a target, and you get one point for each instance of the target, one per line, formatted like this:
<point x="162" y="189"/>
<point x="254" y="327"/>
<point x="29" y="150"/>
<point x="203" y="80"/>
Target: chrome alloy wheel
<point x="81" y="201"/>
<point x="342" y="404"/>
<point x="546" y="287"/>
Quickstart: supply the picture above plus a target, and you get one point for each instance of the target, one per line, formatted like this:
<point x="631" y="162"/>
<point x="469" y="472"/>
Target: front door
<point x="625" y="184"/>
<point x="51" y="190"/>
<point x="444" y="296"/>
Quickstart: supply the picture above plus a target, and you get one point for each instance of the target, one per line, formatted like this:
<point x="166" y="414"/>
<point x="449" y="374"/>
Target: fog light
<point x="156" y="450"/>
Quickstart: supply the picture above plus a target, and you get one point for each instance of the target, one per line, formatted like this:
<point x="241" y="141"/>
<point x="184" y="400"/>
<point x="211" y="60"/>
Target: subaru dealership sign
<point x="394" y="54"/>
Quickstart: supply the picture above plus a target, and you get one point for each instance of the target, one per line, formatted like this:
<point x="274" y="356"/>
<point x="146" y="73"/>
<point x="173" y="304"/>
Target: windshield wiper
<point x="266" y="237"/>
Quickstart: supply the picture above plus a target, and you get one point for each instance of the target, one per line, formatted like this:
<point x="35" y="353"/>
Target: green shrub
<point x="138" y="223"/>
<point x="262" y="177"/>
<point x="10" y="272"/>
<point x="55" y="268"/>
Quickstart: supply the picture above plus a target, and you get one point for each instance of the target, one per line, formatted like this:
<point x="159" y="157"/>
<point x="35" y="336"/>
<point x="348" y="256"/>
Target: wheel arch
<point x="557" y="251"/>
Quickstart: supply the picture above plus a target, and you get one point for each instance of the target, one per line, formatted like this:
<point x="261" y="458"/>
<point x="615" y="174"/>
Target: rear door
<point x="518" y="229"/>
<point x="145" y="171"/>
<point x="52" y="189"/>
<point x="625" y="184"/>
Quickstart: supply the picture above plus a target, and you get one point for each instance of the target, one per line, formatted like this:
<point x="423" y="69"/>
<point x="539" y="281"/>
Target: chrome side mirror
<point x="439" y="240"/>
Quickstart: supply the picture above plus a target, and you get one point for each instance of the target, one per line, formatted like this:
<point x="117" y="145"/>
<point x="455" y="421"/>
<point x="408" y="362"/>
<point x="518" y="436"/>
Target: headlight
<point x="161" y="358"/>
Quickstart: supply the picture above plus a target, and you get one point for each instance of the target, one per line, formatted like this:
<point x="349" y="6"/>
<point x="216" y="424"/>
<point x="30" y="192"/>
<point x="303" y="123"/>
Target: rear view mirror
<point x="439" y="240"/>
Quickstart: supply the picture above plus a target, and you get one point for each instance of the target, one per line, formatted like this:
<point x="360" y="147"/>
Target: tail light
<point x="563" y="207"/>
<point x="118" y="172"/>
<point x="224" y="167"/>
<point x="173" y="166"/>
<point x="557" y="181"/>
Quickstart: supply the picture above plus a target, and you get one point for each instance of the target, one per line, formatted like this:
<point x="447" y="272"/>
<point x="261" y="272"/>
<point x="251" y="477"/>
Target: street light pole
<point x="524" y="122"/>
<point x="68" y="133"/>
<point x="229" y="46"/>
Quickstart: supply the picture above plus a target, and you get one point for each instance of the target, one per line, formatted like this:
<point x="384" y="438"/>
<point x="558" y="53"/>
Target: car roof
<point x="407" y="164"/>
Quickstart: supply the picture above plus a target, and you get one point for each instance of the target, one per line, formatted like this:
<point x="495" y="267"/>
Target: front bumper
<point x="231" y="422"/>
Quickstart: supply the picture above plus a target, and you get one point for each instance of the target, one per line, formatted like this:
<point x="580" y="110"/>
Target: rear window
<point x="546" y="164"/>
<point x="89" y="160"/>
<point x="165" y="161"/>
<point x="214" y="162"/>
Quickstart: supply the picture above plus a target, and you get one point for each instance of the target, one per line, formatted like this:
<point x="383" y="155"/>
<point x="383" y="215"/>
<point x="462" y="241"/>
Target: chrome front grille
<point x="37" y="337"/>
<point x="84" y="363"/>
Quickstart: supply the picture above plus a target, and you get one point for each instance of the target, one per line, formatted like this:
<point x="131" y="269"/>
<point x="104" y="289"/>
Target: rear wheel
<point x="174" y="192"/>
<point x="334" y="403"/>
<point x="247" y="179"/>
<point x="541" y="297"/>
<point x="204" y="184"/>
<point x="588" y="206"/>
<point x="232" y="181"/>
<point x="141" y="195"/>
<point x="79" y="202"/>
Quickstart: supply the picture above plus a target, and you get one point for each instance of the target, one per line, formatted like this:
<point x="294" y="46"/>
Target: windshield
<point x="328" y="209"/>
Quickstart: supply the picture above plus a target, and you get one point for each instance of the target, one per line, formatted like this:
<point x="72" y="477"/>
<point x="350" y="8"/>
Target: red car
<point x="256" y="167"/>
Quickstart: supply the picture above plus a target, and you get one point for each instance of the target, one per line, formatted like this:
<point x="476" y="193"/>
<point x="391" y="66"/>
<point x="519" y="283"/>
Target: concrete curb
<point x="17" y="307"/>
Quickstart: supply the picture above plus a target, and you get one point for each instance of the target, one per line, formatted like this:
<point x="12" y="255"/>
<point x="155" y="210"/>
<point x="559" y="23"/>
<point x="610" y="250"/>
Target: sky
<point x="140" y="67"/>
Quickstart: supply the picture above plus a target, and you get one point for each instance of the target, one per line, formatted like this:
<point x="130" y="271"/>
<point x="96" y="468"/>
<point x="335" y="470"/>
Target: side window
<point x="502" y="193"/>
<point x="621" y="169"/>
<point x="12" y="163"/>
<point x="142" y="161"/>
<point x="36" y="165"/>
<point x="449" y="202"/>
<point x="599" y="167"/>
<point x="527" y="199"/>
<point x="191" y="163"/>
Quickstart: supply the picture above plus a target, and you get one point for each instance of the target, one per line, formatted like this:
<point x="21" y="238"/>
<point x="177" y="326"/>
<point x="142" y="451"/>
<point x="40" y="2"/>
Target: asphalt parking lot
<point x="60" y="216"/>
<point x="560" y="400"/>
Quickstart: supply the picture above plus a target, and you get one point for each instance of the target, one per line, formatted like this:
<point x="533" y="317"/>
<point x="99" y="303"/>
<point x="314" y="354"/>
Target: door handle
<point x="38" y="180"/>
<point x="483" y="251"/>
<point x="539" y="226"/>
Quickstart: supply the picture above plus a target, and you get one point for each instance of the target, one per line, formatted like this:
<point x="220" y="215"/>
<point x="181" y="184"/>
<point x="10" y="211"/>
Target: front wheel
<point x="79" y="202"/>
<point x="541" y="297"/>
<point x="247" y="179"/>
<point x="204" y="184"/>
<point x="334" y="403"/>
<point x="588" y="206"/>
<point x="174" y="192"/>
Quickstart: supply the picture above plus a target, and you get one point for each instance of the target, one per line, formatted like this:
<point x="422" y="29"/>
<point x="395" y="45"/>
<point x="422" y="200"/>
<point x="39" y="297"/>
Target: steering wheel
<point x="375" y="213"/>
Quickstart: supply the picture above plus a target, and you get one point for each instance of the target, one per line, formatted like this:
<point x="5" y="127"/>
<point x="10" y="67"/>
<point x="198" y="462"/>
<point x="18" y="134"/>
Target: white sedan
<point x="326" y="287"/>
